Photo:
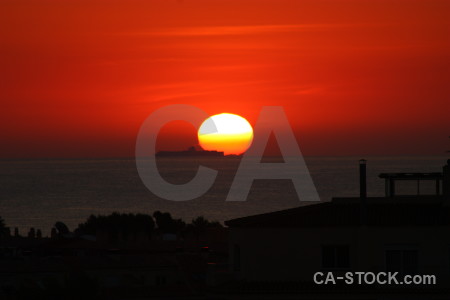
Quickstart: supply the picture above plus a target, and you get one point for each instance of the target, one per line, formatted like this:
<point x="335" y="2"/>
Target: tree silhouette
<point x="166" y="224"/>
<point x="2" y="225"/>
<point x="199" y="226"/>
<point x="32" y="233"/>
<point x="116" y="223"/>
<point x="62" y="228"/>
<point x="4" y="231"/>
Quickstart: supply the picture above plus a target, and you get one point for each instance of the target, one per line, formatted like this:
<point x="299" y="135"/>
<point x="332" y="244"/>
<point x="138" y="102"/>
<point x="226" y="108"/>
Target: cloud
<point x="190" y="89"/>
<point x="235" y="30"/>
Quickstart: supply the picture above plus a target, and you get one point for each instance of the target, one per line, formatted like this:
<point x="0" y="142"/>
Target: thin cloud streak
<point x="169" y="92"/>
<point x="237" y="30"/>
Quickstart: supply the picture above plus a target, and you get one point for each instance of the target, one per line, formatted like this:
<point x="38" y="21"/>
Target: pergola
<point x="391" y="178"/>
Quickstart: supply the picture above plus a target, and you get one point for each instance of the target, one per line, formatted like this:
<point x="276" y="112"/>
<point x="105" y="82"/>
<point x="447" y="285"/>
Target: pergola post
<point x="391" y="187"/>
<point x="438" y="188"/>
<point x="387" y="187"/>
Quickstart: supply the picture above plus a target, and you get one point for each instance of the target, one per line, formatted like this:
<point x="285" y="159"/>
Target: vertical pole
<point x="386" y="187"/>
<point x="438" y="189"/>
<point x="446" y="180"/>
<point x="392" y="187"/>
<point x="362" y="179"/>
<point x="363" y="191"/>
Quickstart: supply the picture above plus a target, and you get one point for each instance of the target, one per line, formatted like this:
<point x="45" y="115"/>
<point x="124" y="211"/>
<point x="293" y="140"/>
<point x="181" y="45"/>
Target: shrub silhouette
<point x="166" y="224"/>
<point x="116" y="223"/>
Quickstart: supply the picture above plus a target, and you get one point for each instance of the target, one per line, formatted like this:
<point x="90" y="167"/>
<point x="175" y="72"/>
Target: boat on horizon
<point x="190" y="152"/>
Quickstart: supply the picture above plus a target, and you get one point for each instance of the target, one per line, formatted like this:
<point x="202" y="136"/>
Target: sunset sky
<point x="78" y="78"/>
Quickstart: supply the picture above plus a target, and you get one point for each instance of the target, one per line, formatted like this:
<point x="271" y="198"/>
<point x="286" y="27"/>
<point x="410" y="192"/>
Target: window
<point x="336" y="257"/>
<point x="404" y="261"/>
<point x="237" y="258"/>
<point x="160" y="280"/>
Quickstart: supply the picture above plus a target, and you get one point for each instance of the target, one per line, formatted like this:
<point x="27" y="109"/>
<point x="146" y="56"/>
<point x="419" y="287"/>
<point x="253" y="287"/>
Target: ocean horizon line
<point x="87" y="158"/>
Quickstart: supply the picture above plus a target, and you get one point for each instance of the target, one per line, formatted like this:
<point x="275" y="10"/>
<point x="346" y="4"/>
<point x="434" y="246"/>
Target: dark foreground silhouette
<point x="275" y="255"/>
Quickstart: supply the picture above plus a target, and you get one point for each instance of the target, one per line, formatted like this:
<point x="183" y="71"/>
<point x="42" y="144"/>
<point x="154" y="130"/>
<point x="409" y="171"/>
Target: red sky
<point x="77" y="78"/>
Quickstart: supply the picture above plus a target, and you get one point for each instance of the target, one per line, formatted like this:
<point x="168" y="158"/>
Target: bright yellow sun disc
<point x="228" y="133"/>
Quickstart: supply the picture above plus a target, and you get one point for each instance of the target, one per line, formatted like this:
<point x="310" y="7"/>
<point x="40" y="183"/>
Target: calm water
<point x="38" y="193"/>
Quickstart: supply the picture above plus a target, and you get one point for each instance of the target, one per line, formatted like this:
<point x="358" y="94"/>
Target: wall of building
<point x="270" y="254"/>
<point x="446" y="180"/>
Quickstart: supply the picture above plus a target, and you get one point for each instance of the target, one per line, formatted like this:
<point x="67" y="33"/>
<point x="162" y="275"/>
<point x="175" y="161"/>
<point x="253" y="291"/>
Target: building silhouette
<point x="279" y="252"/>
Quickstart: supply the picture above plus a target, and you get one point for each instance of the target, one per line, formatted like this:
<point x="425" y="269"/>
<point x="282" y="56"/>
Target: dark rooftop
<point x="421" y="176"/>
<point x="345" y="212"/>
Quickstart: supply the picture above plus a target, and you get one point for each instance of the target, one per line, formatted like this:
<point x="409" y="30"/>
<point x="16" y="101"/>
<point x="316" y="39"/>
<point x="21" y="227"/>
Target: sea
<point x="38" y="193"/>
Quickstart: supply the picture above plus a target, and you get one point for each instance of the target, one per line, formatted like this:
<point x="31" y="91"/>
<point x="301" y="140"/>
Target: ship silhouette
<point x="190" y="152"/>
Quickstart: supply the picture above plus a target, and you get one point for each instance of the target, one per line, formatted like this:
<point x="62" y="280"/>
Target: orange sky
<point x="77" y="78"/>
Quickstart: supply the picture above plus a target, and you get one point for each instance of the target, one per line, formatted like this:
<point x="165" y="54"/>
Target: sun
<point x="229" y="133"/>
